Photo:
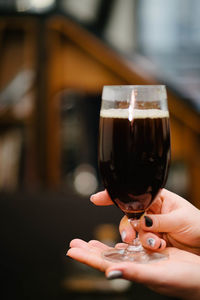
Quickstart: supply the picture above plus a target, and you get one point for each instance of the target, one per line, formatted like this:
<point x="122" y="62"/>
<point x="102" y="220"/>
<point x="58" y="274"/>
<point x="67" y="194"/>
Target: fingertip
<point x="74" y="242"/>
<point x="126" y="230"/>
<point x="95" y="196"/>
<point x="123" y="235"/>
<point x="154" y="243"/>
<point x="92" y="197"/>
<point x="101" y="198"/>
<point x="70" y="252"/>
<point x="127" y="236"/>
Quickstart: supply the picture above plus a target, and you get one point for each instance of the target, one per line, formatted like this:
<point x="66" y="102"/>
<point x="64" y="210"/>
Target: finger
<point x="126" y="230"/>
<point x="101" y="199"/>
<point x="99" y="245"/>
<point x="142" y="273"/>
<point x="78" y="243"/>
<point x="175" y="200"/>
<point x="170" y="222"/>
<point x="91" y="259"/>
<point x="91" y="246"/>
<point x="121" y="246"/>
<point x="152" y="241"/>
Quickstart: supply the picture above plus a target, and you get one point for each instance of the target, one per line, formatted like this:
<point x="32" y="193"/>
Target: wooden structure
<point x="67" y="56"/>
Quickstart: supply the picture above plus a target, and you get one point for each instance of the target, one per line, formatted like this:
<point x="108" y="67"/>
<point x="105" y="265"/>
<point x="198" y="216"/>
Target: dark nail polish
<point x="148" y="221"/>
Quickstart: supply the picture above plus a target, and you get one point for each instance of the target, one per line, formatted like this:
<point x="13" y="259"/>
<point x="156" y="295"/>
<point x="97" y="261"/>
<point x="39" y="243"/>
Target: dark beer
<point x="134" y="155"/>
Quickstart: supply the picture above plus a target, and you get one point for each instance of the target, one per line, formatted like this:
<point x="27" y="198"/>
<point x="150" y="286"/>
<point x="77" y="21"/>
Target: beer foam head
<point x="134" y="114"/>
<point x="140" y="92"/>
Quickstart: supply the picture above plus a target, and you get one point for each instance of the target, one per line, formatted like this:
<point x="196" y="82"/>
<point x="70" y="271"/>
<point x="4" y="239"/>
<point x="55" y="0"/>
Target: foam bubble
<point x="135" y="114"/>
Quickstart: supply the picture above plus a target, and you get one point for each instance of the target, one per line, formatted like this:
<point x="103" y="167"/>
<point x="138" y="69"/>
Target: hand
<point x="178" y="276"/>
<point x="170" y="220"/>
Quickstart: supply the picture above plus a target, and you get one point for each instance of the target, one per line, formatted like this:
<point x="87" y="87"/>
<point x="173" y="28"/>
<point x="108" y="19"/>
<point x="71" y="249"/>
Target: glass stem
<point x="136" y="245"/>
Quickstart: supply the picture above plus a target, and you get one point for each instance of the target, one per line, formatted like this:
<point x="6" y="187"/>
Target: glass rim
<point x="135" y="86"/>
<point x="127" y="93"/>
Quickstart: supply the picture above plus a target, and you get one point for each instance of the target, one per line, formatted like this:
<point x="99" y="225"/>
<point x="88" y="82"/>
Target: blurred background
<point x="55" y="56"/>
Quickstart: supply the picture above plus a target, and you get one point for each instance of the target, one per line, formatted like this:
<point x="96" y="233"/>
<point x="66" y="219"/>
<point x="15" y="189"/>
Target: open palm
<point x="176" y="276"/>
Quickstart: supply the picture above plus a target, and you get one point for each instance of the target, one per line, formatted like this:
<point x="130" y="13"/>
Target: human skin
<point x="178" y="276"/>
<point x="175" y="222"/>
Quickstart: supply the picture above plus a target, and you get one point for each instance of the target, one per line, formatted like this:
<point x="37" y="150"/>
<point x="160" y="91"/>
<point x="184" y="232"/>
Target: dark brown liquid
<point x="133" y="160"/>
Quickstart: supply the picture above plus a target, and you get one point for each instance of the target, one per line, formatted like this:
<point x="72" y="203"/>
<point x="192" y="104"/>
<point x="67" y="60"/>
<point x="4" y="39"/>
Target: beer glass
<point x="134" y="155"/>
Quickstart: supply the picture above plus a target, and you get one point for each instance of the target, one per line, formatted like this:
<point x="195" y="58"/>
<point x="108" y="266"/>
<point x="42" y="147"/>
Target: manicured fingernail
<point x="151" y="242"/>
<point x="123" y="235"/>
<point x="148" y="221"/>
<point x="114" y="274"/>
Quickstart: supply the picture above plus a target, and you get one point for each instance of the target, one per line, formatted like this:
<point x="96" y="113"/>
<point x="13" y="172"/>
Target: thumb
<point x="101" y="199"/>
<point x="169" y="222"/>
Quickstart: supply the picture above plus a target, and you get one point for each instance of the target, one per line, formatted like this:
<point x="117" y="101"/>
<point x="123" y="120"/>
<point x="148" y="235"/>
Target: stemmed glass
<point x="134" y="155"/>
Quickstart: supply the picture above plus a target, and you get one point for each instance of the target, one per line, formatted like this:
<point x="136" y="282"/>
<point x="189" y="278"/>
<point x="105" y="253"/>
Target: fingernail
<point x="148" y="221"/>
<point x="123" y="235"/>
<point x="67" y="254"/>
<point x="114" y="274"/>
<point x="151" y="242"/>
<point x="91" y="198"/>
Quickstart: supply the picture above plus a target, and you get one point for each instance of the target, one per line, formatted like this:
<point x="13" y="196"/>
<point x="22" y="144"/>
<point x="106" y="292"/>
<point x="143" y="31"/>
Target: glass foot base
<point x="142" y="257"/>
